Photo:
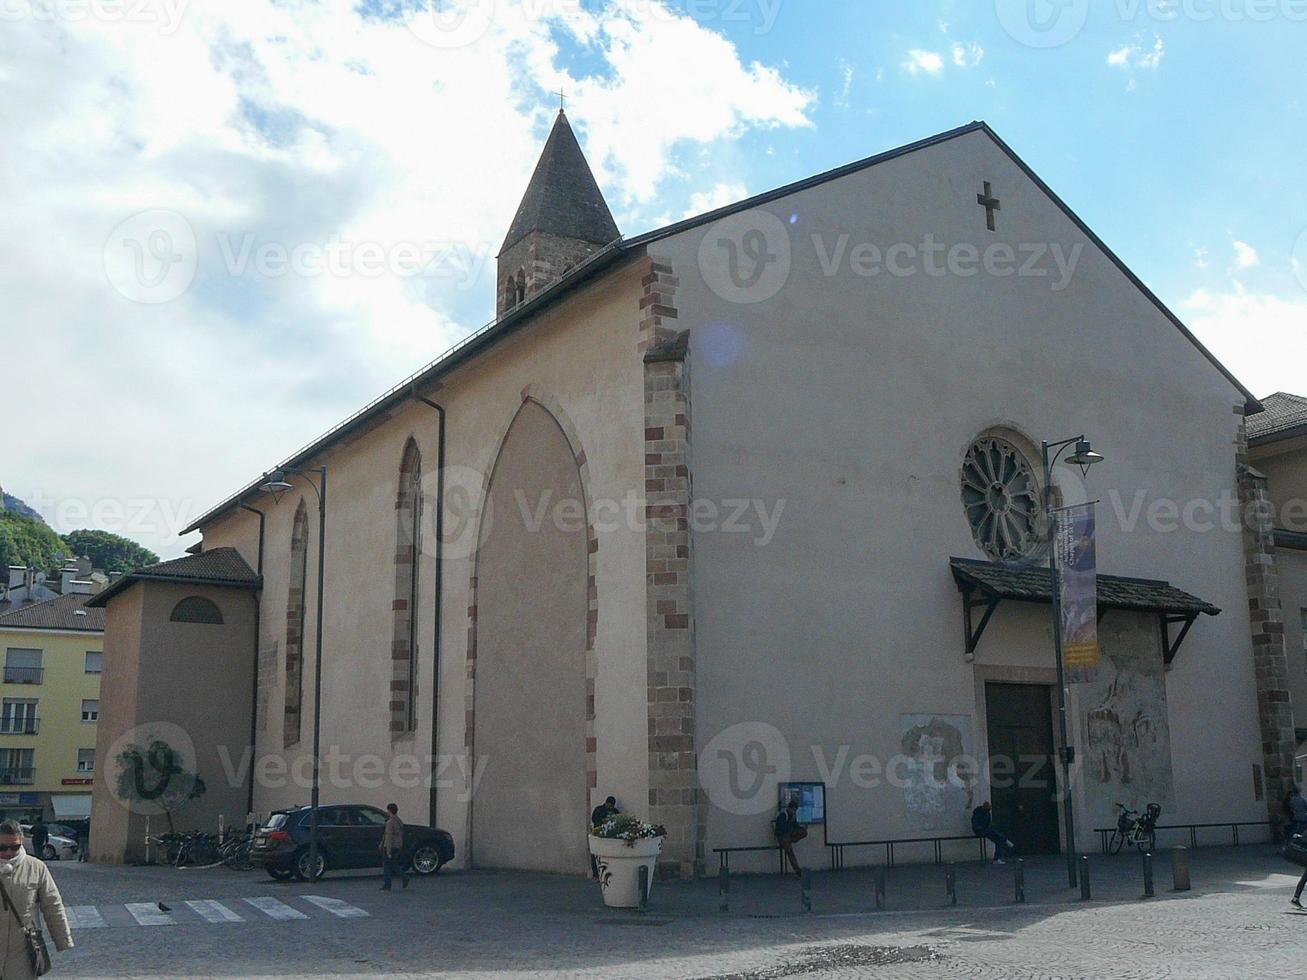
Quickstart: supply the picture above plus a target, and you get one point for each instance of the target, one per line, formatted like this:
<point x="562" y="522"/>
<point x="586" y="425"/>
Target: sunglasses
<point x="10" y="848"/>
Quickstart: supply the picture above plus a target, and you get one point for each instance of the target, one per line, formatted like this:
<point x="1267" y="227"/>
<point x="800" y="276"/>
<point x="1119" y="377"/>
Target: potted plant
<point x="621" y="845"/>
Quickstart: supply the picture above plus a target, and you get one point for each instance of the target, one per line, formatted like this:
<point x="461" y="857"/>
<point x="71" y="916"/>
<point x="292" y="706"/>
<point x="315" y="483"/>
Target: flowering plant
<point x="629" y="829"/>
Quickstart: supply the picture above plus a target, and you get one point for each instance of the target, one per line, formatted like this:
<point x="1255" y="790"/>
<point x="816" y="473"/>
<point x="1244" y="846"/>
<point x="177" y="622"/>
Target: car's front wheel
<point x="48" y="853"/>
<point x="427" y="859"/>
<point x="305" y="870"/>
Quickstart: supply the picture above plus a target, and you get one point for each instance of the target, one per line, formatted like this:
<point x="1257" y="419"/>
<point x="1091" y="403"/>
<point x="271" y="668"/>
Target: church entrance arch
<point x="529" y="734"/>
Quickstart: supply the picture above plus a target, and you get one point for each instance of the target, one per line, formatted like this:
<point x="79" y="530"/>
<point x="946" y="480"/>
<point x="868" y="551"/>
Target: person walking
<point x="1295" y="808"/>
<point x="392" y="849"/>
<point x="40" y="837"/>
<point x="789" y="832"/>
<point x="598" y="817"/>
<point x="982" y="825"/>
<point x="26" y="885"/>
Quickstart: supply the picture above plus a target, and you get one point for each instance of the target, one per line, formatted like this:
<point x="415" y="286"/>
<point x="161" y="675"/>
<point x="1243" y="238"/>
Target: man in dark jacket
<point x="40" y="837"/>
<point x="982" y="825"/>
<point x="598" y="817"/>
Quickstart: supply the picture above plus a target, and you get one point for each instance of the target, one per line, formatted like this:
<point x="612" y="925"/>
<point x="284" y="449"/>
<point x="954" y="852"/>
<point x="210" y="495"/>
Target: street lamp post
<point x="1084" y="457"/>
<point x="275" y="484"/>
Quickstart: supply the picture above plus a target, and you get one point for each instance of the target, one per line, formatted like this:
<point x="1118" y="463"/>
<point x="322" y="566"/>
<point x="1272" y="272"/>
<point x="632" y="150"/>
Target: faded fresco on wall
<point x="1127" y="736"/>
<point x="941" y="771"/>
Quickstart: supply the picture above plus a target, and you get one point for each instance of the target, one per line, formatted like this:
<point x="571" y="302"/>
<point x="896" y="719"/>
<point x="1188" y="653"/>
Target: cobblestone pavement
<point x="1235" y="923"/>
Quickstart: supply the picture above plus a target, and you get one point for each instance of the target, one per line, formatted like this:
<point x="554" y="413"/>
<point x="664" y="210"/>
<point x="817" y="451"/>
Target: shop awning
<point x="986" y="584"/>
<point x="71" y="806"/>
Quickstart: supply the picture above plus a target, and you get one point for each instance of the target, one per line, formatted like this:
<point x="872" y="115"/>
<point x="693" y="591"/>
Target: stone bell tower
<point x="562" y="219"/>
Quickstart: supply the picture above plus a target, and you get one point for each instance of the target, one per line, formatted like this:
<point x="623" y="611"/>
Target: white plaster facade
<point x="848" y="402"/>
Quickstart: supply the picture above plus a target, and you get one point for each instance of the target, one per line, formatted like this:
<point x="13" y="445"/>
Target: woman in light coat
<point x="29" y="885"/>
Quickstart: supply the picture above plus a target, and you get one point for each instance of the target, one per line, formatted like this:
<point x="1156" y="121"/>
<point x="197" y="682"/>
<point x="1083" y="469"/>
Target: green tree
<point x="29" y="542"/>
<point x="108" y="551"/>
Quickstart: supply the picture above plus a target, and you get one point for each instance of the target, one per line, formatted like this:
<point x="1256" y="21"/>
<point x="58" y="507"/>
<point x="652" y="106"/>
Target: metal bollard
<point x="724" y="890"/>
<point x="951" y="884"/>
<point x="1148" y="875"/>
<point x="644" y="888"/>
<point x="1180" y="868"/>
<point x="1084" y="877"/>
<point x="879" y="874"/>
<point x="1019" y="876"/>
<point x="806" y="894"/>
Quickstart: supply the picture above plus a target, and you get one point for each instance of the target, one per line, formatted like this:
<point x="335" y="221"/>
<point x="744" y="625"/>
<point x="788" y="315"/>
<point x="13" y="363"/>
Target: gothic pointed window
<point x="299" y="549"/>
<point x="1000" y="496"/>
<point x="408" y="550"/>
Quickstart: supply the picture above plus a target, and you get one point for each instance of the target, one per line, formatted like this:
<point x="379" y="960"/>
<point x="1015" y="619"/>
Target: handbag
<point x="37" y="952"/>
<point x="1295" y="852"/>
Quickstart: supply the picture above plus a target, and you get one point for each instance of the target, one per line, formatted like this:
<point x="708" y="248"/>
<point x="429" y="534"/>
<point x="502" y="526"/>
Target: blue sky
<point x="263" y="148"/>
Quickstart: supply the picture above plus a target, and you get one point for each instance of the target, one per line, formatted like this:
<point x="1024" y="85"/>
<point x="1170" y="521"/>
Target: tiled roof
<point x="67" y="612"/>
<point x="1282" y="414"/>
<point x="563" y="198"/>
<point x="221" y="566"/>
<point x="1031" y="584"/>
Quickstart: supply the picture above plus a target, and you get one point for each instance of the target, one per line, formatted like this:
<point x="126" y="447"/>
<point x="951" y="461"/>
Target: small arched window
<point x="519" y="293"/>
<point x="196" y="609"/>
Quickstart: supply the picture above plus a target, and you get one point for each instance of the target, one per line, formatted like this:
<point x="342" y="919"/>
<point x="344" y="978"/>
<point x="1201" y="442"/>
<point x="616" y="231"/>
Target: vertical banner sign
<point x="1078" y="569"/>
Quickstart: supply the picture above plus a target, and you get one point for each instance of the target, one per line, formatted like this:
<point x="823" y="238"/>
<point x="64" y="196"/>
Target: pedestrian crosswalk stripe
<point x="149" y="914"/>
<point x="84" y="917"/>
<point x="212" y="911"/>
<point x="275" y="909"/>
<point x="335" y="906"/>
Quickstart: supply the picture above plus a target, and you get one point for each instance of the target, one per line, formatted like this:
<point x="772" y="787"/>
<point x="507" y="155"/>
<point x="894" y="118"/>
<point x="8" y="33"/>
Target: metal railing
<point x="17" y="776"/>
<point x="21" y="725"/>
<point x="24" y="675"/>
<point x="837" y="848"/>
<point x="1105" y="833"/>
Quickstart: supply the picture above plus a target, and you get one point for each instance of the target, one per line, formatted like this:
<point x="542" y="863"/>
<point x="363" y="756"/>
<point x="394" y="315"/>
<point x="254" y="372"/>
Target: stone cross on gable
<point x="990" y="203"/>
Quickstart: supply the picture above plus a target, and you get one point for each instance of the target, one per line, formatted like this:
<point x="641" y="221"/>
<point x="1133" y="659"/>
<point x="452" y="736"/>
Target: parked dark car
<point x="349" y="836"/>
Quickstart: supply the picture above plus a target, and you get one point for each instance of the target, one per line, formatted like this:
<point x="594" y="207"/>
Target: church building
<point x="752" y="500"/>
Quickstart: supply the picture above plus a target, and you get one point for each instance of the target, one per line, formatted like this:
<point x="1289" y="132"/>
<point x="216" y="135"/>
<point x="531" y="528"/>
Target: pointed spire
<point x="563" y="198"/>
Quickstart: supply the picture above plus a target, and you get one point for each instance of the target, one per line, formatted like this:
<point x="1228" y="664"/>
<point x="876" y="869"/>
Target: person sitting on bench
<point x="982" y="825"/>
<point x="789" y="832"/>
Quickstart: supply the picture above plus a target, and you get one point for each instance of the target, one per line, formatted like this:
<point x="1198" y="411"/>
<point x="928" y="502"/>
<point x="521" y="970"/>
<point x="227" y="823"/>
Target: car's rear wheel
<point x="304" y="870"/>
<point x="427" y="859"/>
<point x="280" y="874"/>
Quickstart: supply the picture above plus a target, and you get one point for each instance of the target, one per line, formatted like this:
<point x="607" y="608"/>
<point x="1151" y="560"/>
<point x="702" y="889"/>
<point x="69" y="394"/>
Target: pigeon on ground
<point x="161" y="907"/>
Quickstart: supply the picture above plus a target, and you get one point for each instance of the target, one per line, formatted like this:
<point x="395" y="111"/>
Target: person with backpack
<point x="789" y="832"/>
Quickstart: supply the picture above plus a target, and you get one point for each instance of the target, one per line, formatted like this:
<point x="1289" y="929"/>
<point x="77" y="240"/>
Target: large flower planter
<point x="619" y="868"/>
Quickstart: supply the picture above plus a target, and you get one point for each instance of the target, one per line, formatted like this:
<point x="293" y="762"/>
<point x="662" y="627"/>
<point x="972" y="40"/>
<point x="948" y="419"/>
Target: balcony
<point x="17" y="776"/>
<point x="22" y="725"/>
<point x="24" y="675"/>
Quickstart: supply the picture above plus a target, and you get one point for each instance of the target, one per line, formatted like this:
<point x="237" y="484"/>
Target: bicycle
<point x="199" y="850"/>
<point x="1136" y="830"/>
<point x="236" y="852"/>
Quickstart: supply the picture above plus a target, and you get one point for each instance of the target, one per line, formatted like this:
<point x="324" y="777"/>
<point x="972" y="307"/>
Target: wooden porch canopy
<point x="984" y="584"/>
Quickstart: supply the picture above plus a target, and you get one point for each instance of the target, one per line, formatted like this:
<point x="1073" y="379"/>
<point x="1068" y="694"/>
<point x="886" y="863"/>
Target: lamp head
<point x="274" y="483"/>
<point x="1084" y="456"/>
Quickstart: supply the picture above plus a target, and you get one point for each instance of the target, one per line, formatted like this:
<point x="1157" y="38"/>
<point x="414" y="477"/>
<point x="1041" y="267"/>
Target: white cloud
<point x="967" y="55"/>
<point x="1241" y="327"/>
<point x="719" y="196"/>
<point x="928" y="61"/>
<point x="846" y="86"/>
<point x="281" y="124"/>
<point x="1245" y="256"/>
<point x="1137" y="55"/>
<point x="1201" y="258"/>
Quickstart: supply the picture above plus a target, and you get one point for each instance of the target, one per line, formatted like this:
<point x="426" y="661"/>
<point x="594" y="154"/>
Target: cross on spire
<point x="990" y="203"/>
<point x="562" y="99"/>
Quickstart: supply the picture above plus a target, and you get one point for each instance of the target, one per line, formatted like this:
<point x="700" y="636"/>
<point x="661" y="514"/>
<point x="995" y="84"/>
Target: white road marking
<point x="336" y="907"/>
<point x="148" y="914"/>
<point x="84" y="917"/>
<point x="275" y="909"/>
<point x="212" y="911"/>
